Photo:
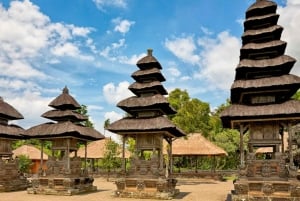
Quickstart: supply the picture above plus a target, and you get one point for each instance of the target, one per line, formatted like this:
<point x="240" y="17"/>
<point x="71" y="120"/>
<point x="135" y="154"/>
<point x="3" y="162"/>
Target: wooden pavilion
<point x="10" y="178"/>
<point x="195" y="145"/>
<point x="147" y="124"/>
<point x="261" y="106"/>
<point x="34" y="154"/>
<point x="64" y="174"/>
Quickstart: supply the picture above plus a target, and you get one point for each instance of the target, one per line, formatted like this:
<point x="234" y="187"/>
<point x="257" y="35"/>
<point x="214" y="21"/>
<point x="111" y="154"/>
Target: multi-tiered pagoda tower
<point x="148" y="125"/>
<point x="261" y="106"/>
<point x="10" y="177"/>
<point x="64" y="174"/>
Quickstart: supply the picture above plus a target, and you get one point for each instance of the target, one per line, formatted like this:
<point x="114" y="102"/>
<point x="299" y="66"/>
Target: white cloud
<point x="113" y="116"/>
<point x="219" y="56"/>
<point x="289" y="19"/>
<point x="173" y="72"/>
<point x="115" y="3"/>
<point x="131" y="60"/>
<point x="109" y="51"/>
<point x="184" y="48"/>
<point x="122" y="26"/>
<point x="113" y="94"/>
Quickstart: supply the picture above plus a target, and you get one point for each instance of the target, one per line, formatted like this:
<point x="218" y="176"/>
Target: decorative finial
<point x="66" y="90"/>
<point x="149" y="51"/>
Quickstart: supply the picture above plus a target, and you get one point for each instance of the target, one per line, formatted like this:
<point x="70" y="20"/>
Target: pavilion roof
<point x="11" y="131"/>
<point x="196" y="145"/>
<point x="8" y="112"/>
<point x="145" y="125"/>
<point x="63" y="129"/>
<point x="96" y="149"/>
<point x="64" y="101"/>
<point x="32" y="152"/>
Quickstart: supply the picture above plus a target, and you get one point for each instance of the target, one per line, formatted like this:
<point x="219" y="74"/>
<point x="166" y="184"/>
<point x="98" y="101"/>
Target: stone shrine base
<point x="141" y="188"/>
<point x="61" y="185"/>
<point x="266" y="191"/>
<point x="17" y="184"/>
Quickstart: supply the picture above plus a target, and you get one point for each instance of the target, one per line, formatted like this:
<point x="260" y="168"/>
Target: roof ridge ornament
<point x="149" y="52"/>
<point x="66" y="90"/>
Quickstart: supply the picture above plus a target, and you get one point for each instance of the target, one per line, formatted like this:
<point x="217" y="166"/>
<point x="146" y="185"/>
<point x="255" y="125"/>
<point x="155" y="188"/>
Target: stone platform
<point x="266" y="191"/>
<point x="163" y="189"/>
<point x="61" y="186"/>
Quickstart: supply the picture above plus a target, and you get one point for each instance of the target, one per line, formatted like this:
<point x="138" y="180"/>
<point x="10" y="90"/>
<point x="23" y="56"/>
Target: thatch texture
<point x="63" y="129"/>
<point x="289" y="109"/>
<point x="263" y="63"/>
<point x="156" y="101"/>
<point x="261" y="4"/>
<point x="65" y="101"/>
<point x="147" y="86"/>
<point x="58" y="115"/>
<point x="96" y="149"/>
<point x="262" y="46"/>
<point x="196" y="145"/>
<point x="32" y="152"/>
<point x="276" y="29"/>
<point x="8" y="112"/>
<point x="148" y="61"/>
<point x="269" y="82"/>
<point x="145" y="125"/>
<point x="11" y="131"/>
<point x="140" y="75"/>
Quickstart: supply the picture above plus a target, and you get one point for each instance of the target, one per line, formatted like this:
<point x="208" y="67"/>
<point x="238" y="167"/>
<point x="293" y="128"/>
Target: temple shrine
<point x="147" y="124"/>
<point x="262" y="108"/>
<point x="64" y="174"/>
<point x="10" y="177"/>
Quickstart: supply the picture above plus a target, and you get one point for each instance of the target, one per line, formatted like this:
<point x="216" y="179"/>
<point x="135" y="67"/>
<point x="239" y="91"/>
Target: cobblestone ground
<point x="190" y="190"/>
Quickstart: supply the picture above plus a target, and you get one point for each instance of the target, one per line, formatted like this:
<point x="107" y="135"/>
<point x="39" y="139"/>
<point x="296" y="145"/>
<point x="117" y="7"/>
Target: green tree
<point x="24" y="163"/>
<point x="106" y="124"/>
<point x="84" y="111"/>
<point x="111" y="159"/>
<point x="193" y="116"/>
<point x="177" y="98"/>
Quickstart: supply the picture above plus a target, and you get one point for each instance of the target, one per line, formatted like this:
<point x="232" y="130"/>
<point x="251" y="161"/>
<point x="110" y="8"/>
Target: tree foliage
<point x="84" y="111"/>
<point x="192" y="114"/>
<point x="111" y="159"/>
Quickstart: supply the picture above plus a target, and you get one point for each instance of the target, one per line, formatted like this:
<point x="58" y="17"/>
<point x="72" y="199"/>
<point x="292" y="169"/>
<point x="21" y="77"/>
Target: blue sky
<point x="92" y="46"/>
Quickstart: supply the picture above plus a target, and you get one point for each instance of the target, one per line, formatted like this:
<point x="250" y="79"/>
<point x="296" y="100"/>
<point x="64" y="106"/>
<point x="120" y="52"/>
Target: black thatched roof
<point x="257" y="50"/>
<point x="11" y="131"/>
<point x="148" y="61"/>
<point x="141" y="75"/>
<point x="268" y="82"/>
<point x="63" y="129"/>
<point x="238" y="113"/>
<point x="261" y="7"/>
<point x="8" y="112"/>
<point x="262" y="35"/>
<point x="61" y="115"/>
<point x="281" y="61"/>
<point x="145" y="125"/>
<point x="154" y="102"/>
<point x="261" y="20"/>
<point x="155" y="86"/>
<point x="65" y="101"/>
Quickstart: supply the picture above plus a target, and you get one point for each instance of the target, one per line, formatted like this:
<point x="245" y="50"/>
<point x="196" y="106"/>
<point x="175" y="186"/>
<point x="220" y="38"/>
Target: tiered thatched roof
<point x="263" y="85"/>
<point x="68" y="124"/>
